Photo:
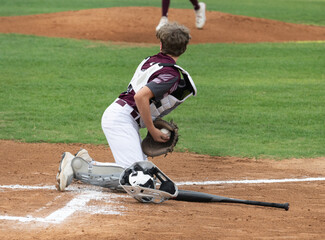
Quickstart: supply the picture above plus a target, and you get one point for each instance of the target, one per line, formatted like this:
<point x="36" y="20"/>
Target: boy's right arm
<point x="142" y="100"/>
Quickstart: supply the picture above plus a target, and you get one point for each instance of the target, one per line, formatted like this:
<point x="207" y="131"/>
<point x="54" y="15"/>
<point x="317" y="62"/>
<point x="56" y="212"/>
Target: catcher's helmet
<point x="138" y="178"/>
<point x="146" y="183"/>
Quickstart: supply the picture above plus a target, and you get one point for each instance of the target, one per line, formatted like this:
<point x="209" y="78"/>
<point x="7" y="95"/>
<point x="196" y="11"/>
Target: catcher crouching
<point x="157" y="87"/>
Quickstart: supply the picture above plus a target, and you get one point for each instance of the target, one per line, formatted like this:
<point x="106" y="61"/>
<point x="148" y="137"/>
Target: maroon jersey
<point x="161" y="83"/>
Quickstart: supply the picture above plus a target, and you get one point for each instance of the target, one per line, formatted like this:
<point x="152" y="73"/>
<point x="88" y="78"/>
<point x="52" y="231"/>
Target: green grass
<point x="296" y="11"/>
<point x="254" y="100"/>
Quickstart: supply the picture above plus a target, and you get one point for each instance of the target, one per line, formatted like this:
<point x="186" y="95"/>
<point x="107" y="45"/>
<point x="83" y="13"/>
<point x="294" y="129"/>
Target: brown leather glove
<point x="152" y="148"/>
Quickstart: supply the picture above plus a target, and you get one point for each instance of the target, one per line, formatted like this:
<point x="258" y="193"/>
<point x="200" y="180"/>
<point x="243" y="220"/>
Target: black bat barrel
<point x="192" y="196"/>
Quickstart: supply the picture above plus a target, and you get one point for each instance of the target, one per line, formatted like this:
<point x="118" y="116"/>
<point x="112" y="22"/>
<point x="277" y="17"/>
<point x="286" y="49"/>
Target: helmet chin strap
<point x="146" y="183"/>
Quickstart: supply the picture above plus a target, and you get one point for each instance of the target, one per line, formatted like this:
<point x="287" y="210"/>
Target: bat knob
<point x="286" y="206"/>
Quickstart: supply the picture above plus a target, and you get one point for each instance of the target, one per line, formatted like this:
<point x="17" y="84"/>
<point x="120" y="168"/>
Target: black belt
<point x="134" y="114"/>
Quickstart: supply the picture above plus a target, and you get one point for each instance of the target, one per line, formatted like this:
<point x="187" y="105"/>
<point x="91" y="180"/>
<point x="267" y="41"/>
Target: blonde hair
<point x="174" y="38"/>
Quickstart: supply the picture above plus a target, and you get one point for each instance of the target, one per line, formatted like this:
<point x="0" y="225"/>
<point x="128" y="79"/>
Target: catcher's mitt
<point x="152" y="148"/>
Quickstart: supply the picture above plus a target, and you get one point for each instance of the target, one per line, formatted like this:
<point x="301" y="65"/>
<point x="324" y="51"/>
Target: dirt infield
<point x="31" y="207"/>
<point x="109" y="215"/>
<point x="137" y="24"/>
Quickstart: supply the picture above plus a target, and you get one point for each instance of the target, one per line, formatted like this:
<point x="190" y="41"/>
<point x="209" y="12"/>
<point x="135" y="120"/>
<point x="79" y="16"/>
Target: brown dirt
<point x="35" y="164"/>
<point x="137" y="24"/>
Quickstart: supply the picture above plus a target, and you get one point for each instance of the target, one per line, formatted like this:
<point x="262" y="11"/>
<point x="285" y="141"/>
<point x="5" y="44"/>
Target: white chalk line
<point x="81" y="188"/>
<point x="58" y="216"/>
<point x="88" y="193"/>
<point x="252" y="181"/>
<point x="22" y="187"/>
<point x="79" y="203"/>
<point x="71" y="188"/>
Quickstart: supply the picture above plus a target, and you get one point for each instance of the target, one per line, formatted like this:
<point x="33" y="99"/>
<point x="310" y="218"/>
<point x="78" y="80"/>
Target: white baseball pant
<point x="122" y="134"/>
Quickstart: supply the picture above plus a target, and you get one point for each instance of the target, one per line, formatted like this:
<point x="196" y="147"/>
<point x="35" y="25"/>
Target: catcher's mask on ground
<point x="138" y="178"/>
<point x="146" y="183"/>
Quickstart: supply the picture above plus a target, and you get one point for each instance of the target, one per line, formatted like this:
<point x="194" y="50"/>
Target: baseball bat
<point x="192" y="196"/>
